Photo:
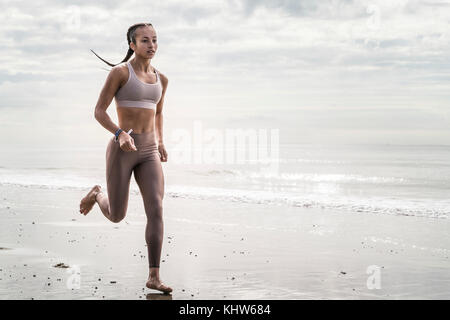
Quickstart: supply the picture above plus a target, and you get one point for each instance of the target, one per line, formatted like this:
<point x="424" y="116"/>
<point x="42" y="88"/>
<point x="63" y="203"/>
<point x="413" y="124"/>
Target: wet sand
<point x="216" y="250"/>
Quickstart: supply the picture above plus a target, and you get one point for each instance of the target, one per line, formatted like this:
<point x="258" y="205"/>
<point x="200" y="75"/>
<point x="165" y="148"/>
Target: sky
<point x="324" y="71"/>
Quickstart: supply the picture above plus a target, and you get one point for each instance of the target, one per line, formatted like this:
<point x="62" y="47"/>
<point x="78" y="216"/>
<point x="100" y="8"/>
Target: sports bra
<point x="138" y="94"/>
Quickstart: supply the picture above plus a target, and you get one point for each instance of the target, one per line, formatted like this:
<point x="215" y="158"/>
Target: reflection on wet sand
<point x="158" y="296"/>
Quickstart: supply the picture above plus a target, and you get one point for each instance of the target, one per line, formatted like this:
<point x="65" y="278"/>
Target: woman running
<point x="136" y="146"/>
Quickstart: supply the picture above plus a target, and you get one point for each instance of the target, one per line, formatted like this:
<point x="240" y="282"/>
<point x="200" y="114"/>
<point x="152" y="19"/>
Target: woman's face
<point x="146" y="42"/>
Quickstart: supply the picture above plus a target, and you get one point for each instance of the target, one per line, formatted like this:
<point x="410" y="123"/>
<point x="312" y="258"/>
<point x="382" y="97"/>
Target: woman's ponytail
<point x="130" y="38"/>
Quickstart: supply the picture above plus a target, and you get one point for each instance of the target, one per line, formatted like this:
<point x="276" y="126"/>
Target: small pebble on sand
<point x="61" y="265"/>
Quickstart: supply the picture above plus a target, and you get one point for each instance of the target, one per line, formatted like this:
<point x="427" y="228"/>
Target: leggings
<point x="147" y="168"/>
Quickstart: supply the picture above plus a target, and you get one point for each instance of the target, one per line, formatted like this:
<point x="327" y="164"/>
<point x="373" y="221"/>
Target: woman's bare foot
<point x="154" y="283"/>
<point x="88" y="201"/>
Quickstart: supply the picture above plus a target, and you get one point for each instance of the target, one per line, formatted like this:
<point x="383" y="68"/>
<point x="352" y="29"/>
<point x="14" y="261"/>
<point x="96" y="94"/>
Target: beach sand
<point x="216" y="250"/>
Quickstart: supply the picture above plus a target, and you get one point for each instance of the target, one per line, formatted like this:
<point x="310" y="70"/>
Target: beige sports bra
<point x="138" y="94"/>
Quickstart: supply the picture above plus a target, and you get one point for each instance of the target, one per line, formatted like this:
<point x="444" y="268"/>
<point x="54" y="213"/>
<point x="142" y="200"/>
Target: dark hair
<point x="130" y="38"/>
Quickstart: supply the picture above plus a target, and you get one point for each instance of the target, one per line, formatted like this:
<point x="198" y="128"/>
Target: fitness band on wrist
<point x="116" y="135"/>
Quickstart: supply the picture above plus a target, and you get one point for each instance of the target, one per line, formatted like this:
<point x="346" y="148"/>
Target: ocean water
<point x="367" y="179"/>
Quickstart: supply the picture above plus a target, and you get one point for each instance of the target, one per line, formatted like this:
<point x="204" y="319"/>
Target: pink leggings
<point x="146" y="165"/>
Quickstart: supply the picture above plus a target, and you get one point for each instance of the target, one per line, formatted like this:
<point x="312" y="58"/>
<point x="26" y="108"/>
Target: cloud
<point x="236" y="54"/>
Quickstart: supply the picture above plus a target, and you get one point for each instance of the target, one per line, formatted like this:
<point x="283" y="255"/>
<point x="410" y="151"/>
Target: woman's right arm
<point x="110" y="88"/>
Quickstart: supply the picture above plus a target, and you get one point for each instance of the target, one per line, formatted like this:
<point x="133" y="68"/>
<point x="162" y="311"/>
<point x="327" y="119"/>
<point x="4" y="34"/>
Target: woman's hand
<point x="162" y="152"/>
<point x="126" y="142"/>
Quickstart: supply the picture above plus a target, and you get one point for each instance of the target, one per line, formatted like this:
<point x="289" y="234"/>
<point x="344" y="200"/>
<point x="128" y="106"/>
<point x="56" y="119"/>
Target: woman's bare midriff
<point x="139" y="119"/>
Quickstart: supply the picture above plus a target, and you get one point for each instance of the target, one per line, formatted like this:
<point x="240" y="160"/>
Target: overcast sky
<point x="327" y="71"/>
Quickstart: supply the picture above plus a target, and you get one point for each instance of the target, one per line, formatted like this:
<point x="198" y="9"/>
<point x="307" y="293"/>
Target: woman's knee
<point x="117" y="219"/>
<point x="117" y="214"/>
<point x="155" y="206"/>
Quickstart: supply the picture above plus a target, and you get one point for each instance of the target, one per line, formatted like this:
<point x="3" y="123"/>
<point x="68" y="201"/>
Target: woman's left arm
<point x="159" y="119"/>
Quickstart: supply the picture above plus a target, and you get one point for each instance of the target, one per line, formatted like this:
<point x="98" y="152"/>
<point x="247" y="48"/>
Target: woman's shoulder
<point x="121" y="66"/>
<point x="120" y="70"/>
<point x="119" y="74"/>
<point x="162" y="76"/>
